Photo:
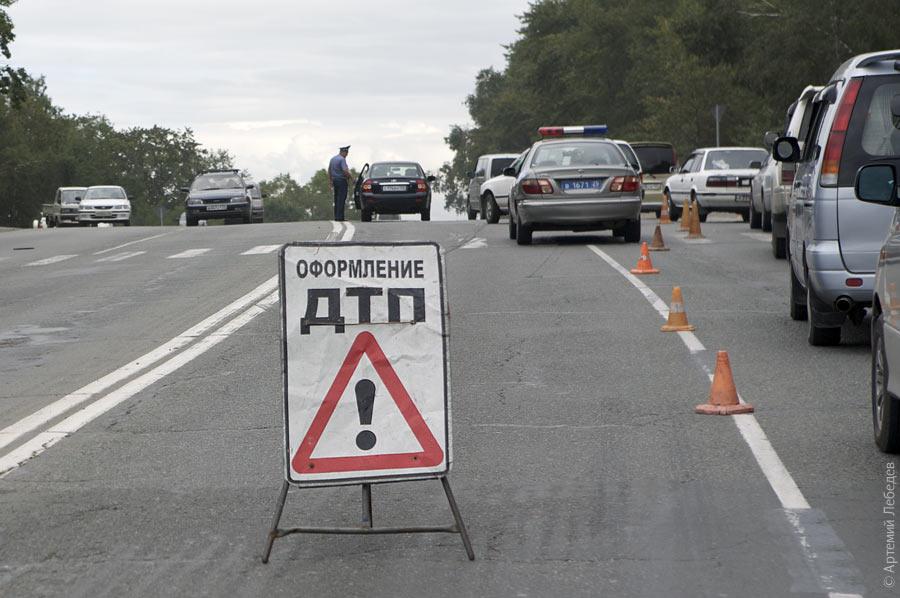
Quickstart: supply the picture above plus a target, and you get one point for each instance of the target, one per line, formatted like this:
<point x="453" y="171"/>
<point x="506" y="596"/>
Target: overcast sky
<point x="279" y="83"/>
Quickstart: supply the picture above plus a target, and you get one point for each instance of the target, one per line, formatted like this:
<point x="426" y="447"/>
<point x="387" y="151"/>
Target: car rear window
<point x="578" y="153"/>
<point x="655" y="159"/>
<point x="395" y="169"/>
<point x="498" y="164"/>
<point x="733" y="159"/>
<point x="874" y="132"/>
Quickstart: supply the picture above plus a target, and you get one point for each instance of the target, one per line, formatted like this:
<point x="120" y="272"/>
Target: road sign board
<point x="366" y="391"/>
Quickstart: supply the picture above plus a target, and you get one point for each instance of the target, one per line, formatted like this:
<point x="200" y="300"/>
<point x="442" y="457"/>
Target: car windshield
<point x="69" y="195"/>
<point x="105" y="193"/>
<point x="734" y="159"/>
<point x="214" y="181"/>
<point x="498" y="164"/>
<point x="395" y="170"/>
<point x="655" y="159"/>
<point x="578" y="153"/>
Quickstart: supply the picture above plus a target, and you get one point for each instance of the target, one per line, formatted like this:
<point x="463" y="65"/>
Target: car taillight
<point x="537" y="187"/>
<point x="367" y="185"/>
<point x="831" y="164"/>
<point x="787" y="174"/>
<point x="624" y="184"/>
<point x="722" y="181"/>
<point x="420" y="186"/>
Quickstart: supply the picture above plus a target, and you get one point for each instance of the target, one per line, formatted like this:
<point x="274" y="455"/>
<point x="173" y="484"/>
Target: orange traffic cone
<point x="657" y="243"/>
<point x="723" y="396"/>
<point x="694" y="230"/>
<point x="644" y="265"/>
<point x="685" y="217"/>
<point x="677" y="321"/>
<point x="664" y="211"/>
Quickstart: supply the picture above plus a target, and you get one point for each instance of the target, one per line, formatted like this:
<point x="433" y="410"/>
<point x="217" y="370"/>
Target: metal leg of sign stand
<point x="366" y="528"/>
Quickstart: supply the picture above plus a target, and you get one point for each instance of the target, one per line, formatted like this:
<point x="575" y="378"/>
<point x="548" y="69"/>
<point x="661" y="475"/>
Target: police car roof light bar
<point x="585" y="131"/>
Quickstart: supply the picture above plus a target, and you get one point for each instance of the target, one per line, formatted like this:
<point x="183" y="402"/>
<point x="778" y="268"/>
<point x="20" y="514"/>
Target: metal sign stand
<point x="366" y="526"/>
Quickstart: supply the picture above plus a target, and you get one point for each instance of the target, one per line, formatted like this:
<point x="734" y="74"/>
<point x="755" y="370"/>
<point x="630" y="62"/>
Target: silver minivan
<point x="833" y="240"/>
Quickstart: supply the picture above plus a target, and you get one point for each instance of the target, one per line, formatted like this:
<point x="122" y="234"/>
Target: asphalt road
<point x="580" y="467"/>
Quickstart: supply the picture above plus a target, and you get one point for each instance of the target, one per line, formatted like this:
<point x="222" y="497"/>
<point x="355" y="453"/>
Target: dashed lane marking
<point x="102" y="251"/>
<point x="52" y="260"/>
<point x="839" y="580"/>
<point x="261" y="249"/>
<point x="118" y="257"/>
<point x="475" y="243"/>
<point x="764" y="237"/>
<point x="189" y="253"/>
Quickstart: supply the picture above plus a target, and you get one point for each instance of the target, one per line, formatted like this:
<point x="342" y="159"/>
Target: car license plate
<point x="653" y="186"/>
<point x="581" y="184"/>
<point x="393" y="187"/>
<point x="216" y="208"/>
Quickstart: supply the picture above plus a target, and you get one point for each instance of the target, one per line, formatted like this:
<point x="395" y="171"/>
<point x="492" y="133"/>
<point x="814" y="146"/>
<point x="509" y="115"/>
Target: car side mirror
<point x="786" y="149"/>
<point x="509" y="171"/>
<point x="673" y="169"/>
<point x="877" y="183"/>
<point x="770" y="138"/>
<point x="185" y="189"/>
<point x="431" y="178"/>
<point x="251" y="186"/>
<point x="756" y="164"/>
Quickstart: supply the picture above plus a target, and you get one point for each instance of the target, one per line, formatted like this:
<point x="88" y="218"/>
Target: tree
<point x="10" y="77"/>
<point x="289" y="201"/>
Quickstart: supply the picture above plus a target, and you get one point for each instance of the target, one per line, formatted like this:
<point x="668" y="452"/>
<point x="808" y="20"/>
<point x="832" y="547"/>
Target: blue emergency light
<point x="585" y="131"/>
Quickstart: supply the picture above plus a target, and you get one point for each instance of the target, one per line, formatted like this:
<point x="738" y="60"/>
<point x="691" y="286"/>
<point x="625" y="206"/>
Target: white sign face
<point x="366" y="388"/>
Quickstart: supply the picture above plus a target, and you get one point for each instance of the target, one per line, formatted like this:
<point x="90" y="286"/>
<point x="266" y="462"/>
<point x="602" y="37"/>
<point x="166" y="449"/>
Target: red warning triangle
<point x="431" y="455"/>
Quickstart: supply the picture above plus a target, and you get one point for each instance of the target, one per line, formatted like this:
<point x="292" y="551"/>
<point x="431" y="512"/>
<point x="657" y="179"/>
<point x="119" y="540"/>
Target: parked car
<point x="717" y="178"/>
<point x="761" y="186"/>
<point x="656" y="160"/>
<point x="222" y="194"/>
<point x="495" y="193"/>
<point x="104" y="203"/>
<point x="833" y="241"/>
<point x="573" y="179"/>
<point x="487" y="167"/>
<point x="775" y="189"/>
<point x="877" y="184"/>
<point x="64" y="209"/>
<point x="393" y="188"/>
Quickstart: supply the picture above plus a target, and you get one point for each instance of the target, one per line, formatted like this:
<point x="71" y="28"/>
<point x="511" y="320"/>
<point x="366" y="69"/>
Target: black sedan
<point x="393" y="188"/>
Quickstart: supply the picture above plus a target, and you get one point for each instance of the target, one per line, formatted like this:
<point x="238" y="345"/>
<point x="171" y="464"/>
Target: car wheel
<point x="491" y="210"/>
<point x="703" y="215"/>
<point x="885" y="411"/>
<point x="366" y="215"/>
<point x="778" y="247"/>
<point x="819" y="336"/>
<point x="798" y="299"/>
<point x="512" y="226"/>
<point x="766" y="221"/>
<point x="523" y="233"/>
<point x="188" y="221"/>
<point x="755" y="217"/>
<point x="745" y="216"/>
<point x="127" y="223"/>
<point x="632" y="231"/>
<point x="674" y="211"/>
<point x="426" y="213"/>
<point x="472" y="214"/>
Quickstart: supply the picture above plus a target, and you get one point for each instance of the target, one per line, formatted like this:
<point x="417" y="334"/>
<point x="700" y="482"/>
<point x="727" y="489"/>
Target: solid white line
<point x="475" y="243"/>
<point x="261" y="249"/>
<point x="188" y="253"/>
<point x="79" y="419"/>
<point x="60" y="406"/>
<point x="52" y="260"/>
<point x="101" y="252"/>
<point x="121" y="256"/>
<point x="770" y="463"/>
<point x="349" y="231"/>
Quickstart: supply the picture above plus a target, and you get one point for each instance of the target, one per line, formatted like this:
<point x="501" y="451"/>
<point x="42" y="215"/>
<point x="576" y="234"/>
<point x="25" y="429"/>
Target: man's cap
<point x="346" y="148"/>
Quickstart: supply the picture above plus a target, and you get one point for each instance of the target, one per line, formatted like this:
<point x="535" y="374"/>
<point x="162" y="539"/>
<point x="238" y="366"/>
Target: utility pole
<point x="718" y="111"/>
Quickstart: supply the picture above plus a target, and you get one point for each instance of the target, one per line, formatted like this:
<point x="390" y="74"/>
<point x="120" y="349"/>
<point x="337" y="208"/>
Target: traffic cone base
<point x="644" y="265"/>
<point x="657" y="244"/>
<point x="677" y="321"/>
<point x="723" y="396"/>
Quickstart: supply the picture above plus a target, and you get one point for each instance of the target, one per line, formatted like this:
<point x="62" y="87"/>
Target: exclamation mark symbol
<point x="365" y="401"/>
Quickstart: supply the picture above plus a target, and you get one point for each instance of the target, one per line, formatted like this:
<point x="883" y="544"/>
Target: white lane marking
<point x="769" y="462"/>
<point x="189" y="253"/>
<point x="101" y="252"/>
<point x="37" y="445"/>
<point x="475" y="243"/>
<point x="697" y="241"/>
<point x="118" y="257"/>
<point x="764" y="237"/>
<point x="61" y="406"/>
<point x="261" y="249"/>
<point x="52" y="260"/>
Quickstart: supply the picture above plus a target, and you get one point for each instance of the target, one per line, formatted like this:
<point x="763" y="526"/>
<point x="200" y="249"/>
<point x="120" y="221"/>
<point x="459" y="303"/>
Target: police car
<point x="574" y="179"/>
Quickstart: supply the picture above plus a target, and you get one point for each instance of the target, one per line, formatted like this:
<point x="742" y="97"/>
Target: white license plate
<point x="653" y="186"/>
<point x="216" y="208"/>
<point x="393" y="187"/>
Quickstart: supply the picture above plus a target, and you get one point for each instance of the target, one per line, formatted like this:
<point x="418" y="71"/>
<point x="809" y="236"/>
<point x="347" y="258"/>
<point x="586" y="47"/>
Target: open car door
<point x="356" y="187"/>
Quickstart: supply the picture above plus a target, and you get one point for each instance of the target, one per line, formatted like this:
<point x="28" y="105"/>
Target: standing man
<point x="339" y="181"/>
